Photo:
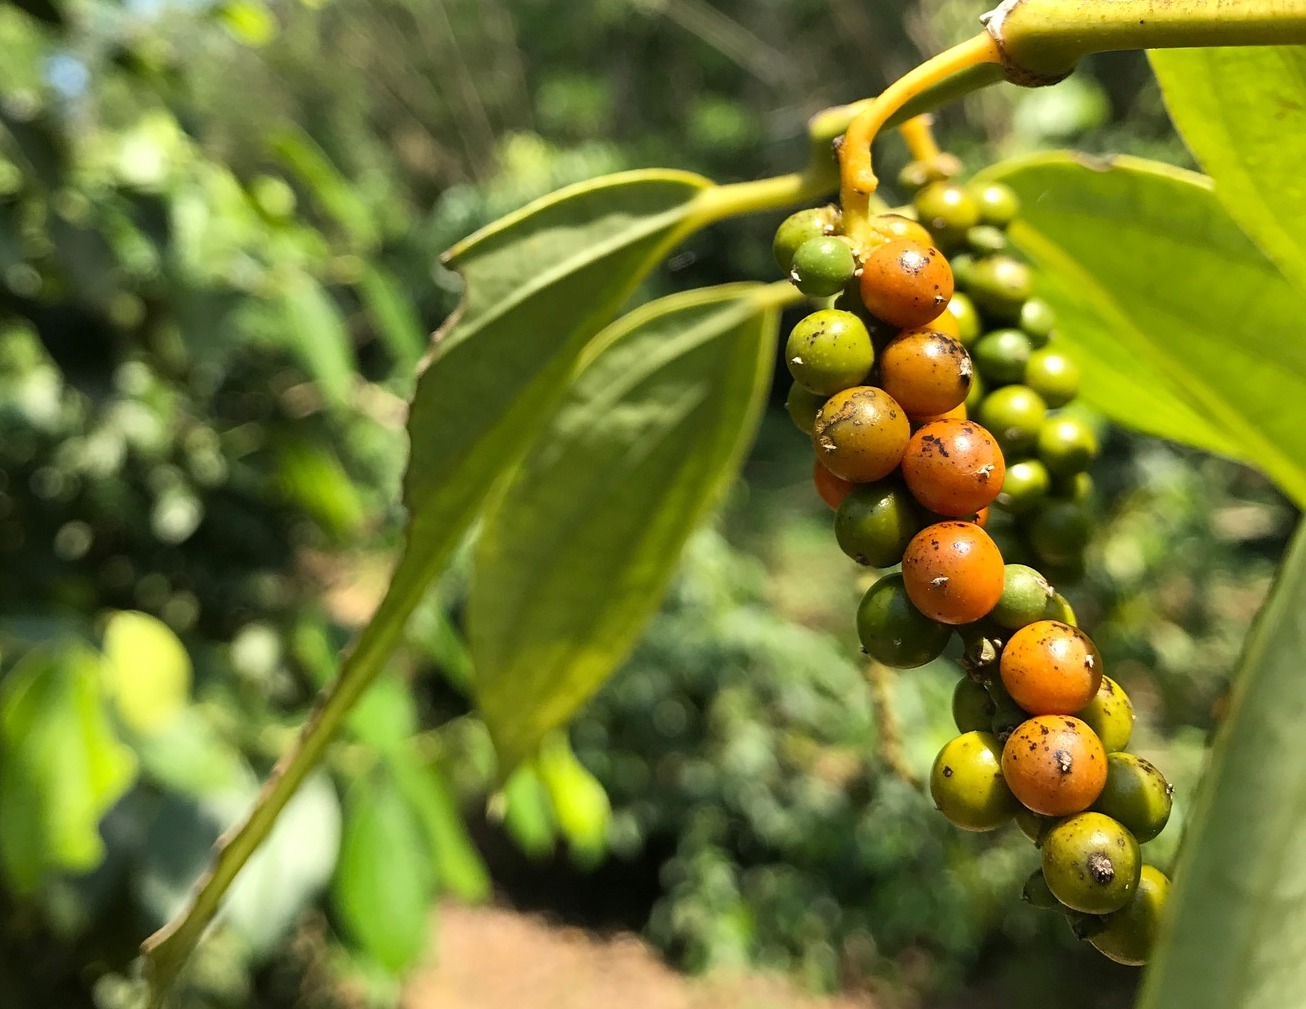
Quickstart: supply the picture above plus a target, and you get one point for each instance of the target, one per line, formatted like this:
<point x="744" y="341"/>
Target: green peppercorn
<point x="1091" y="863"/>
<point x="962" y="310"/>
<point x="829" y="351"/>
<point x="875" y="522"/>
<point x="999" y="286"/>
<point x="1129" y="935"/>
<point x="948" y="210"/>
<point x="1002" y="355"/>
<point x="1053" y="375"/>
<point x="893" y="631"/>
<point x="1013" y="414"/>
<point x="800" y="227"/>
<point x="823" y="266"/>
<point x="1035" y="891"/>
<point x="998" y="203"/>
<point x="1025" y="486"/>
<point x="967" y="786"/>
<point x="1136" y="794"/>
<point x="803" y="406"/>
<point x="1111" y="715"/>
<point x="1066" y="445"/>
<point x="972" y="710"/>
<point x="984" y="239"/>
<point x="1025" y="597"/>
<point x="1038" y="320"/>
<point x="1059" y="531"/>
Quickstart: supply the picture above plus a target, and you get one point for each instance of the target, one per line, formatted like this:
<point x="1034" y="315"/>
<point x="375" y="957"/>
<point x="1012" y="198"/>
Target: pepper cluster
<point x="912" y="345"/>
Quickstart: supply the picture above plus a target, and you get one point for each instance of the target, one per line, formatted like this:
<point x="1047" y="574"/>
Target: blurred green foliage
<point x="219" y="229"/>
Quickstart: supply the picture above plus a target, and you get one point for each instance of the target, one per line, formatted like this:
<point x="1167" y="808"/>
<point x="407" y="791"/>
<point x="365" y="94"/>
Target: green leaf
<point x="1239" y="111"/>
<point x="383" y="883"/>
<point x="575" y="555"/>
<point x="528" y="812"/>
<point x="540" y="284"/>
<point x="1234" y="939"/>
<point x="303" y="158"/>
<point x="1183" y="328"/>
<point x="189" y="756"/>
<point x="248" y="21"/>
<point x="316" y="333"/>
<point x="61" y="766"/>
<point x="43" y="10"/>
<point x="146" y="671"/>
<point x="385" y="716"/>
<point x="459" y="868"/>
<point x="396" y="323"/>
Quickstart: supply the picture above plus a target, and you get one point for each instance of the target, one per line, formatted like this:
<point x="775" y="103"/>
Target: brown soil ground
<point x="493" y="958"/>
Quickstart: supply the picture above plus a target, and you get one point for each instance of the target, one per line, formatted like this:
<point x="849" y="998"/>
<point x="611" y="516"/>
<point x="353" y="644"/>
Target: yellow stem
<point x="919" y="137"/>
<point x="857" y="180"/>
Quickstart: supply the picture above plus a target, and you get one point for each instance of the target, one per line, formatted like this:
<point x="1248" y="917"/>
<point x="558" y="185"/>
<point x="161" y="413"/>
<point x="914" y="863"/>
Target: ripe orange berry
<point x="953" y="467"/>
<point x="893" y="226"/>
<point x="860" y="434"/>
<point x="926" y="371"/>
<point x="1054" y="764"/>
<point x="945" y="322"/>
<point x="906" y="283"/>
<point x="833" y="489"/>
<point x="1051" y="668"/>
<point x="953" y="572"/>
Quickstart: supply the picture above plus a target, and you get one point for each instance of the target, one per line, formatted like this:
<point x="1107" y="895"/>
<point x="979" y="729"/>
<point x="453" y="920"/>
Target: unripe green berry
<point x="1025" y="487"/>
<point x="1059" y="608"/>
<point x="822" y="266"/>
<point x="1110" y="714"/>
<point x="798" y="228"/>
<point x="967" y="786"/>
<point x="999" y="286"/>
<point x="1129" y="935"/>
<point x="1034" y="826"/>
<point x="1025" y="597"/>
<point x="972" y="709"/>
<point x="893" y="631"/>
<point x="963" y="311"/>
<point x="1136" y="794"/>
<point x="1035" y="891"/>
<point x="984" y="239"/>
<point x="1038" y="320"/>
<point x="803" y="405"/>
<point x="1002" y="356"/>
<point x="948" y="210"/>
<point x="876" y="521"/>
<point x="1053" y="375"/>
<point x="828" y="351"/>
<point x="998" y="203"/>
<point x="1091" y="863"/>
<point x="1066" y="445"/>
<point x="1013" y="414"/>
<point x="1059" y="532"/>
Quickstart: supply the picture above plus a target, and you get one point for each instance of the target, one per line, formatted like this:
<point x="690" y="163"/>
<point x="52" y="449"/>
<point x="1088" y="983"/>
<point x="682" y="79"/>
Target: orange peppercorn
<point x="1051" y="668"/>
<point x="953" y="467"/>
<point x="1054" y="765"/>
<point x="906" y="283"/>
<point x="953" y="572"/>
<point x="926" y="371"/>
<point x="833" y="489"/>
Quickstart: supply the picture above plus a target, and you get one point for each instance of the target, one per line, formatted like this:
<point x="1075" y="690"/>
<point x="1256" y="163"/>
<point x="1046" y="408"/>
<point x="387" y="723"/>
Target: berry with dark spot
<point x="1054" y="764"/>
<point x="926" y="371"/>
<point x="1091" y="863"/>
<point x="967" y="786"/>
<point x="860" y="434"/>
<point x="829" y="351"/>
<point x="953" y="572"/>
<point x="953" y="467"/>
<point x="906" y="283"/>
<point x="1110" y="714"/>
<point x="1129" y="935"/>
<point x="1051" y="668"/>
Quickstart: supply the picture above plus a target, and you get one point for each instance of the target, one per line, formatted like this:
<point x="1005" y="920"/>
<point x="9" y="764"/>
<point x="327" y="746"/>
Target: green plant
<point x="545" y="630"/>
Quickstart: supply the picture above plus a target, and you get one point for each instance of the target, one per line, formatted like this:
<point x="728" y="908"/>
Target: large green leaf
<point x="384" y="880"/>
<point x="61" y="765"/>
<point x="1241" y="111"/>
<point x="315" y="332"/>
<point x="1185" y="330"/>
<point x="146" y="671"/>
<point x="574" y="556"/>
<point x="1237" y="930"/>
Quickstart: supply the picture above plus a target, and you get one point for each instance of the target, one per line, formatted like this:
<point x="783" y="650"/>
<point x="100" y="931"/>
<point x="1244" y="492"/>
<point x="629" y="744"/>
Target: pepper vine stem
<point x="918" y="134"/>
<point x="856" y="177"/>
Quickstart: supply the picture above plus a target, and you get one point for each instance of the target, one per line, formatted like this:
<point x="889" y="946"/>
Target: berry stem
<point x="857" y="179"/>
<point x="918" y="133"/>
<point x="880" y="678"/>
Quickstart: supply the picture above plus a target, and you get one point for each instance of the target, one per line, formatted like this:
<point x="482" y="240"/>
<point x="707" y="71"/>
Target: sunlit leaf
<point x="1237" y="933"/>
<point x="315" y="332"/>
<point x="1182" y="327"/>
<point x="61" y="765"/>
<point x="1236" y="110"/>
<point x="577" y="552"/>
<point x="147" y="672"/>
